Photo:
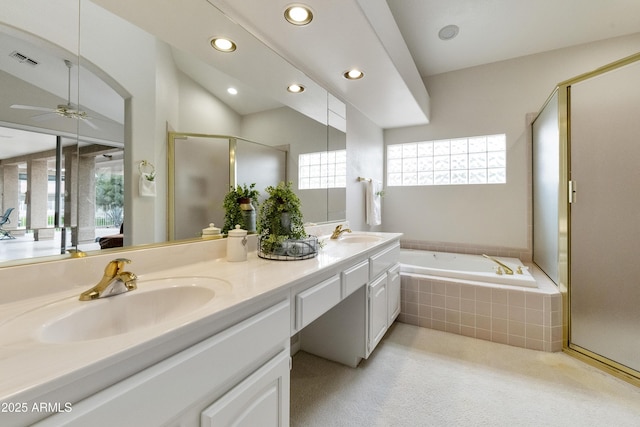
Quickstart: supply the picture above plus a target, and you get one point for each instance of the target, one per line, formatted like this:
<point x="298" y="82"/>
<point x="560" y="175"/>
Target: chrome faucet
<point x="114" y="282"/>
<point x="338" y="231"/>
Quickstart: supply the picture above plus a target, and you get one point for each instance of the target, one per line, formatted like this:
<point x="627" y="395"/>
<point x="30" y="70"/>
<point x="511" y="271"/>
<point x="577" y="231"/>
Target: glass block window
<point x="460" y="161"/>
<point x="323" y="169"/>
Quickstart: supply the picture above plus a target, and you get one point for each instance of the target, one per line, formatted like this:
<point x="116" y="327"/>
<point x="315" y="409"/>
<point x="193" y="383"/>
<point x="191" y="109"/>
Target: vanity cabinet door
<point x="260" y="400"/>
<point x="393" y="282"/>
<point x="378" y="304"/>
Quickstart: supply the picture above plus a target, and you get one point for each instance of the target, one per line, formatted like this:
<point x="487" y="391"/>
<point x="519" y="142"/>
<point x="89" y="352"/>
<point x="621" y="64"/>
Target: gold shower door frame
<point x="580" y="241"/>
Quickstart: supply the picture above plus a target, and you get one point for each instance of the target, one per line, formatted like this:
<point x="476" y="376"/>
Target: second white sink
<point x="358" y="238"/>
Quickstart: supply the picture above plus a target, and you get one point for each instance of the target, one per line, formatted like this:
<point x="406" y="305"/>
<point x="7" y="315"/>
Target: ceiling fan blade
<point x="32" y="107"/>
<point x="46" y="116"/>
<point x="89" y="123"/>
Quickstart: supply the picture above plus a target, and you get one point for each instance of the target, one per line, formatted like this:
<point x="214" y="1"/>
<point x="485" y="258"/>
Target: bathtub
<point x="465" y="267"/>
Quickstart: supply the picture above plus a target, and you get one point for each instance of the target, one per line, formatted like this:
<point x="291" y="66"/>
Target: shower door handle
<point x="572" y="191"/>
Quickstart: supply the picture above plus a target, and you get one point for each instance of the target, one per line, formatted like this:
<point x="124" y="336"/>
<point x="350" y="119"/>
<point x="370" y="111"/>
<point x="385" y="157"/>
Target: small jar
<point x="237" y="245"/>
<point x="211" y="232"/>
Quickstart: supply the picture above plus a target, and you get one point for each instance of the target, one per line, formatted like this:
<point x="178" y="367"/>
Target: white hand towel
<point x="146" y="187"/>
<point x="372" y="201"/>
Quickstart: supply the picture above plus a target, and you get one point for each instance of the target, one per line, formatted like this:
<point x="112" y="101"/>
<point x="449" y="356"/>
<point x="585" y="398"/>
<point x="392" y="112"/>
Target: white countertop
<point x="30" y="368"/>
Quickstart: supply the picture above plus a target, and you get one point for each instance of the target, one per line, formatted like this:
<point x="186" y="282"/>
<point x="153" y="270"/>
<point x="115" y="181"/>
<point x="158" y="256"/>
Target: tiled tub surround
<point x="522" y="317"/>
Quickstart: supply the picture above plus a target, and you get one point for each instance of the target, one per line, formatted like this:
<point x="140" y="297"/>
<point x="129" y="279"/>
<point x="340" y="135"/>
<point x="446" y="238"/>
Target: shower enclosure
<point x="586" y="197"/>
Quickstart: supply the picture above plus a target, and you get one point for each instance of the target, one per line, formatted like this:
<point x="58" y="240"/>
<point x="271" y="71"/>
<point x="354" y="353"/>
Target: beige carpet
<point x="424" y="377"/>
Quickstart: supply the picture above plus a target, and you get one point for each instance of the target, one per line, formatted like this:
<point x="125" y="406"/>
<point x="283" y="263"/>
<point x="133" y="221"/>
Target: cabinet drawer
<point x="354" y="277"/>
<point x="383" y="260"/>
<point x="315" y="301"/>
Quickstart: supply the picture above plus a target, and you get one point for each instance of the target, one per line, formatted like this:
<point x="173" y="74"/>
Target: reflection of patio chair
<point x="4" y="219"/>
<point x="113" y="241"/>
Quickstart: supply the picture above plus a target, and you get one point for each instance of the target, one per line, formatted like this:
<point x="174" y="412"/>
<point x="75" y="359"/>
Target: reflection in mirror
<point x="43" y="82"/>
<point x="198" y="180"/>
<point x="257" y="163"/>
<point x="32" y="180"/>
<point x="202" y="168"/>
<point x="135" y="87"/>
<point x="38" y="134"/>
<point x="337" y="143"/>
<point x="307" y="165"/>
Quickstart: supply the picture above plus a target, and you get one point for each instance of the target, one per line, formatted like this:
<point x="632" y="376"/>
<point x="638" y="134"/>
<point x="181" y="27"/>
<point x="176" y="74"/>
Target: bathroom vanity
<point x="211" y="343"/>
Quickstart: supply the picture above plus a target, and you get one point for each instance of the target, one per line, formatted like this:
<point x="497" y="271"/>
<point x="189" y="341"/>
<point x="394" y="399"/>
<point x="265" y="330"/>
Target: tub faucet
<point x="507" y="270"/>
<point x="338" y="231"/>
<point x="114" y="282"/>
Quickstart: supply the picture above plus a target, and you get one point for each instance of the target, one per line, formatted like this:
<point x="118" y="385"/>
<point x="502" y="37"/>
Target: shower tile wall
<point x="522" y="317"/>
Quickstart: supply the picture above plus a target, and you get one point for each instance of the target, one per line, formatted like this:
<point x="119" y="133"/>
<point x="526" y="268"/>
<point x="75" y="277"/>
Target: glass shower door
<point x="605" y="216"/>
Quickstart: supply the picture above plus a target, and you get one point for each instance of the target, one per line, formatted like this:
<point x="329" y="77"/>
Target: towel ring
<point x="143" y="168"/>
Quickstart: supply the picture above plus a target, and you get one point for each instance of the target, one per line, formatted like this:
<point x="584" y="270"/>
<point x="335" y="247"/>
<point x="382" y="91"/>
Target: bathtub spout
<point x="506" y="269"/>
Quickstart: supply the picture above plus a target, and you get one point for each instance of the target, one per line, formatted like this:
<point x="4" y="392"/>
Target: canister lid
<point x="238" y="232"/>
<point x="210" y="230"/>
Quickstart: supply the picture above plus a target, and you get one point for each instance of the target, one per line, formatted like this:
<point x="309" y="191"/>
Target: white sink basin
<point x="358" y="238"/>
<point x="155" y="302"/>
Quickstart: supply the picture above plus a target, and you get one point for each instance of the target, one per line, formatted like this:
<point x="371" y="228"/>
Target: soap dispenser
<point x="237" y="245"/>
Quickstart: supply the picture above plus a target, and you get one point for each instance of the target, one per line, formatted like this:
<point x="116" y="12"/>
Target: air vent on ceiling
<point x="23" y="58"/>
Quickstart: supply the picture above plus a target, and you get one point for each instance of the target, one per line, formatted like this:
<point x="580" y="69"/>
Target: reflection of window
<point x="324" y="169"/>
<point x="473" y="160"/>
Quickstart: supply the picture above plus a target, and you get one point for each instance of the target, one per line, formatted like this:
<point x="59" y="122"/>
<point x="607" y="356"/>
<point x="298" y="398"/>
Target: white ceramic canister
<point x="211" y="232"/>
<point x="237" y="245"/>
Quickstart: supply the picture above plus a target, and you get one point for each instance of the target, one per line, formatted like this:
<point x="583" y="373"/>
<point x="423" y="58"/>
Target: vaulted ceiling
<point x="396" y="42"/>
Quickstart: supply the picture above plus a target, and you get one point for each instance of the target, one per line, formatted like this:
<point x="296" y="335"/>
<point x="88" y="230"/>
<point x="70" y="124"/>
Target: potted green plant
<point x="281" y="225"/>
<point x="239" y="206"/>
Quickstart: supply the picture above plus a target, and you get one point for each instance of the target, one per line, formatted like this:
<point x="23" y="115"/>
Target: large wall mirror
<point x="108" y="85"/>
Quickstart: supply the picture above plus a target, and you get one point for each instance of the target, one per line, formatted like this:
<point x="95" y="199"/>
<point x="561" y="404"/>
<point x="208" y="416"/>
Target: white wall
<point x="365" y="150"/>
<point x="167" y="114"/>
<point x="142" y="132"/>
<point x="482" y="100"/>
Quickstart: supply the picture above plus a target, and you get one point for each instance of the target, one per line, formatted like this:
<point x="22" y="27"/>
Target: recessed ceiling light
<point x="298" y="14"/>
<point x="223" y="44"/>
<point x="295" y="88"/>
<point x="232" y="91"/>
<point x="448" y="32"/>
<point x="353" y="74"/>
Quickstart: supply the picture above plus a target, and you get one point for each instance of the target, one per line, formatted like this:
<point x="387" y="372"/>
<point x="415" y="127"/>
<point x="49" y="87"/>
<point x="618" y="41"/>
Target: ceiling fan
<point x="63" y="110"/>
